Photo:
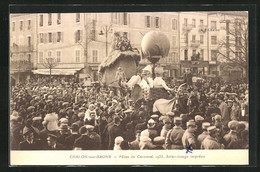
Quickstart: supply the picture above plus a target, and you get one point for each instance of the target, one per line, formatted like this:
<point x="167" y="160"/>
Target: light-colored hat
<point x="128" y="111"/>
<point x="211" y="129"/>
<point x="217" y="117"/>
<point x="191" y="123"/>
<point x="90" y="127"/>
<point x="37" y="118"/>
<point x="198" y="118"/>
<point x="30" y="108"/>
<point x="148" y="68"/>
<point x="114" y="101"/>
<point x="50" y="97"/>
<point x="177" y="120"/>
<point x="65" y="103"/>
<point x="205" y="125"/>
<point x="155" y="116"/>
<point x="64" y="120"/>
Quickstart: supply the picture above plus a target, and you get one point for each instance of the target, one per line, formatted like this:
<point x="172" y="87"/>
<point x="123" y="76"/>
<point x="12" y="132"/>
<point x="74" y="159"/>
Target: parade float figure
<point x="122" y="55"/>
<point x="120" y="76"/>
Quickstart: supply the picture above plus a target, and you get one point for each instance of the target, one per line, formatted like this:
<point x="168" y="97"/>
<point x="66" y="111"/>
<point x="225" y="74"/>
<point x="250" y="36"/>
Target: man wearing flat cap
<point x="231" y="139"/>
<point x="204" y="134"/>
<point x="174" y="136"/>
<point x="211" y="142"/>
<point x="188" y="138"/>
<point x="159" y="142"/>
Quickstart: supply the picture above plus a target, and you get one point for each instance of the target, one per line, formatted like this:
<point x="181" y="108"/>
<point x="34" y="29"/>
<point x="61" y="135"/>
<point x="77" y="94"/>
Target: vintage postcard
<point x="129" y="88"/>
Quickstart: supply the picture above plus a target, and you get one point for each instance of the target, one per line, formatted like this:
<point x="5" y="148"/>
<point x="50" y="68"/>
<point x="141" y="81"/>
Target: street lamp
<point x="105" y="31"/>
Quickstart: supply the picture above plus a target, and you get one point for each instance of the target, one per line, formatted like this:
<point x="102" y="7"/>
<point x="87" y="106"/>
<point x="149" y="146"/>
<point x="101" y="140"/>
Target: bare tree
<point x="50" y="63"/>
<point x="234" y="48"/>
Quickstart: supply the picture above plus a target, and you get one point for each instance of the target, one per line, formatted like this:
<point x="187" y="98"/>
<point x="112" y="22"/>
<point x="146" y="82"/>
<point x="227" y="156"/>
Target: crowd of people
<point x="67" y="115"/>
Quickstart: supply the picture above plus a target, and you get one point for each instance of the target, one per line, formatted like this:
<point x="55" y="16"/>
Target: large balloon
<point x="155" y="44"/>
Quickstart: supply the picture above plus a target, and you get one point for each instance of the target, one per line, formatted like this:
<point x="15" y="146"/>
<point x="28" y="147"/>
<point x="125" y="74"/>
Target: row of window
<point x="22" y="25"/>
<point x="201" y="54"/>
<point x="51" y="37"/>
<point x="213" y="24"/>
<point x="58" y="19"/>
<point x="58" y="56"/>
<point x="149" y="21"/>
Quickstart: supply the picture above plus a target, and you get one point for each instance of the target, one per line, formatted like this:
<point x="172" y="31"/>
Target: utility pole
<point x="105" y="31"/>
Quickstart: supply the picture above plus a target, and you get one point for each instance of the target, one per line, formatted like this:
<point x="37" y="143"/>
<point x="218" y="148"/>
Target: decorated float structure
<point x="122" y="56"/>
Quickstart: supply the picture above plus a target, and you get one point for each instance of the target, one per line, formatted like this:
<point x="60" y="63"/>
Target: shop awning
<point x="56" y="71"/>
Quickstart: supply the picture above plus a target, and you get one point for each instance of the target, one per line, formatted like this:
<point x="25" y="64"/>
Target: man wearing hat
<point x="174" y="136"/>
<point x="83" y="142"/>
<point x="204" y="134"/>
<point x="211" y="142"/>
<point x="69" y="140"/>
<point x="159" y="142"/>
<point x="74" y="116"/>
<point x="224" y="110"/>
<point x="16" y="128"/>
<point x="151" y="131"/>
<point x="166" y="127"/>
<point x="64" y="132"/>
<point x="113" y="131"/>
<point x="30" y="142"/>
<point x="95" y="139"/>
<point x="80" y="121"/>
<point x="170" y="115"/>
<point x="198" y="120"/>
<point x="53" y="144"/>
<point x="188" y="138"/>
<point x="212" y="108"/>
<point x="231" y="139"/>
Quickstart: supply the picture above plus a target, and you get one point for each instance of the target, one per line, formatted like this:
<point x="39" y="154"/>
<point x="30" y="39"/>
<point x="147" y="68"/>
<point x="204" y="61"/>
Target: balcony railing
<point x="195" y="44"/>
<point x="22" y="49"/>
<point x="203" y="28"/>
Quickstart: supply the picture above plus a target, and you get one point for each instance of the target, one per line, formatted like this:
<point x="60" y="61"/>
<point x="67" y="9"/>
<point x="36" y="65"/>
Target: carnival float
<point x="119" y="70"/>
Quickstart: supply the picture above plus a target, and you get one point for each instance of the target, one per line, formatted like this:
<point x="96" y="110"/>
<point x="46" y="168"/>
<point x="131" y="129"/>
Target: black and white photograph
<point x="129" y="81"/>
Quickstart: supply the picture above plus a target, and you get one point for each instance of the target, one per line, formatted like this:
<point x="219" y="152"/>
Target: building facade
<point x="76" y="43"/>
<point x="23" y="48"/>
